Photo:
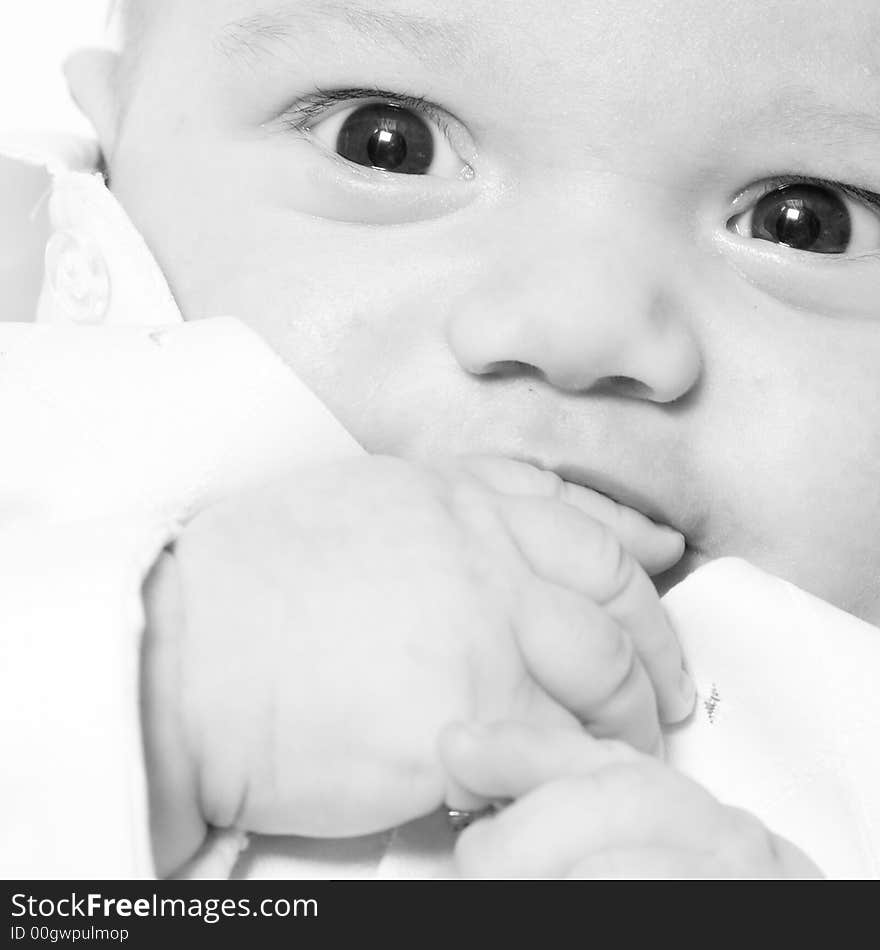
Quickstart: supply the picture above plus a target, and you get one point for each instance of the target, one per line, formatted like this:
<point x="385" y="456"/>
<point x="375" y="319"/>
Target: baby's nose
<point x="598" y="324"/>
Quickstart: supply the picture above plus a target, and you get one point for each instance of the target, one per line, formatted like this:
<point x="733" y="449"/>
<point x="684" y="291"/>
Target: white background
<point x="35" y="37"/>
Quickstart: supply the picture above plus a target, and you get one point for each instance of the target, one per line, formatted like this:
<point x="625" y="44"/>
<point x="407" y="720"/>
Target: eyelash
<point x="870" y="198"/>
<point x="301" y="114"/>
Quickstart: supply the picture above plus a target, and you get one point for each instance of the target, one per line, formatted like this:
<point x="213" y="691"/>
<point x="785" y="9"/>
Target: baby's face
<point x="635" y="241"/>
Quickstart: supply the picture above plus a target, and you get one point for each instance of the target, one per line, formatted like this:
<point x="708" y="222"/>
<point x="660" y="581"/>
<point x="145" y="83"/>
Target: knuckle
<point x="613" y="568"/>
<point x="466" y="497"/>
<point x="485" y="538"/>
<point x="552" y="486"/>
<point x="619" y="566"/>
<point x="615" y="656"/>
<point x="470" y="517"/>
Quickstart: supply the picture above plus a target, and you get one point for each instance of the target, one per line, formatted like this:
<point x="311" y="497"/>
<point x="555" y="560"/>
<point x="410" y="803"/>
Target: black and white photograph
<point x="439" y="441"/>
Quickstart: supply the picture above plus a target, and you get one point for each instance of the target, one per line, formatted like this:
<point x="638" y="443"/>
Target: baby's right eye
<point x="814" y="216"/>
<point x="405" y="138"/>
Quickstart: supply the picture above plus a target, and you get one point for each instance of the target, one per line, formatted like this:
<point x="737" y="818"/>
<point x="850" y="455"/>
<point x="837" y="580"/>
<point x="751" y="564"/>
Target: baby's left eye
<point x="390" y="137"/>
<point x="812" y="216"/>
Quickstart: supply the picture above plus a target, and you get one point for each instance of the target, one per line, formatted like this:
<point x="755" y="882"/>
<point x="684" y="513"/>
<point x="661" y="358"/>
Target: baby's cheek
<point x="828" y="496"/>
<point x="794" y="448"/>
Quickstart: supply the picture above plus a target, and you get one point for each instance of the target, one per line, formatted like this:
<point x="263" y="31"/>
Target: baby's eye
<point x="390" y="137"/>
<point x="813" y="216"/>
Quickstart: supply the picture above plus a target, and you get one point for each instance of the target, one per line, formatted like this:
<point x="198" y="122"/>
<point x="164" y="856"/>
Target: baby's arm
<point x="587" y="808"/>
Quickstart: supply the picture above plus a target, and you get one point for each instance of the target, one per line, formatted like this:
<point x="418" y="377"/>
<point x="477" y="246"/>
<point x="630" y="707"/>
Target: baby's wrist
<point x="177" y="827"/>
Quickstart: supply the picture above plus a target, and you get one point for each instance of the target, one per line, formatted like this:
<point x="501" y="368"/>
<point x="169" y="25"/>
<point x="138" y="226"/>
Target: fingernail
<point x="681" y="706"/>
<point x="668" y="529"/>
<point x="668" y="548"/>
<point x="673" y="538"/>
<point x="688" y="691"/>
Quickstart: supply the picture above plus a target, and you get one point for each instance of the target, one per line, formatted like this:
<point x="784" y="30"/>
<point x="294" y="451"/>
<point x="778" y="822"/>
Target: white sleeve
<point x="72" y="793"/>
<point x="111" y="438"/>
<point x="98" y="419"/>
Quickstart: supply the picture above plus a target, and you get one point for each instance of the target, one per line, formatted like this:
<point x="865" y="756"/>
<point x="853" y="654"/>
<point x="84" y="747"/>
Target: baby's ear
<point x="93" y="80"/>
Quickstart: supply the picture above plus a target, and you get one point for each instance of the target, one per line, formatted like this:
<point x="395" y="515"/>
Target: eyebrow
<point x="794" y="107"/>
<point x="284" y="28"/>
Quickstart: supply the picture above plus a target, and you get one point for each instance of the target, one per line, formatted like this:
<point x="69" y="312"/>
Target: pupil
<point x="797" y="227"/>
<point x="386" y="149"/>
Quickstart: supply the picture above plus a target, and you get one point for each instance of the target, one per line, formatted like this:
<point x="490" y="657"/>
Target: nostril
<point x="505" y="368"/>
<point x="627" y="386"/>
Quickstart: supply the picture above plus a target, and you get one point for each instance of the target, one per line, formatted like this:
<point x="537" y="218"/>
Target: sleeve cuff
<point x="73" y="801"/>
<point x="111" y="419"/>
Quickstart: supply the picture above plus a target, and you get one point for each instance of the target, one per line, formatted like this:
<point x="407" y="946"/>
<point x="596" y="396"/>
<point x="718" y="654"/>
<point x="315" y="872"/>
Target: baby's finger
<point x="621" y="806"/>
<point x="771" y="857"/>
<point x="585" y="660"/>
<point x="510" y="759"/>
<point x="656" y="547"/>
<point x="587" y="807"/>
<point x="640" y="864"/>
<point x="573" y="550"/>
<point x="637" y="608"/>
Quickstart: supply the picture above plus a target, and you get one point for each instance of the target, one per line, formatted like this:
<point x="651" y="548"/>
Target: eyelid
<point x="305" y="111"/>
<point x="757" y="190"/>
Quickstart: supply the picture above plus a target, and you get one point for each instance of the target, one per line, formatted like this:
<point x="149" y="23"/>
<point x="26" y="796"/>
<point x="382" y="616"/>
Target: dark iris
<point x="805" y="217"/>
<point x="388" y="137"/>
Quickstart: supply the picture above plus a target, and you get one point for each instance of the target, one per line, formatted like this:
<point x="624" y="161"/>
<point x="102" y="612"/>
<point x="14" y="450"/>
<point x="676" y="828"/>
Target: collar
<point x="788" y="714"/>
<point x="99" y="270"/>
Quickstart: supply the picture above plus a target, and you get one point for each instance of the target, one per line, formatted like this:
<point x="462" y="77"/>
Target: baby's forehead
<point x="685" y="30"/>
<point x="601" y="63"/>
<point x="692" y="17"/>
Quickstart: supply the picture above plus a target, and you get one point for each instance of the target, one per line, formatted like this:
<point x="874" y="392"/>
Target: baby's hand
<point x="309" y="641"/>
<point x="589" y="808"/>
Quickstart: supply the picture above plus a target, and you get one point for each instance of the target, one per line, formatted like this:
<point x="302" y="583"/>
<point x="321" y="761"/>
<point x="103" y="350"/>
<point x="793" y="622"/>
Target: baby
<point x="636" y="245"/>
